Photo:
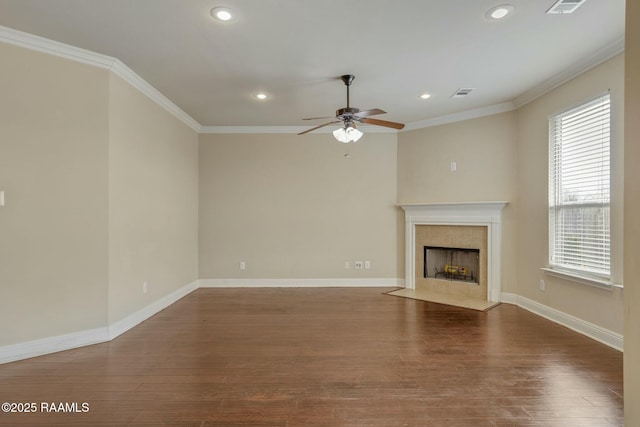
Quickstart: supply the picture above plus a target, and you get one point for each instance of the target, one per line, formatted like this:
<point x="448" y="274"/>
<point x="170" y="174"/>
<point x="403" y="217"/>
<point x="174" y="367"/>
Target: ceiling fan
<point x="349" y="116"/>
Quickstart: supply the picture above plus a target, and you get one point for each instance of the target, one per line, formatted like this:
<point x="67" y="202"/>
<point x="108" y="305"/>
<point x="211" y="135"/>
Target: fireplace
<point x="455" y="225"/>
<point x="455" y="264"/>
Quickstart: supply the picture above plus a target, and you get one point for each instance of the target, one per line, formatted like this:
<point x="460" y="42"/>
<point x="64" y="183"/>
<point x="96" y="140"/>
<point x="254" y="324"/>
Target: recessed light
<point x="425" y="96"/>
<point x="261" y="95"/>
<point x="499" y="12"/>
<point x="222" y="14"/>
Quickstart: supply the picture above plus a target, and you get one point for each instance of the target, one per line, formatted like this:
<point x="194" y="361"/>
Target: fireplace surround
<point x="481" y="214"/>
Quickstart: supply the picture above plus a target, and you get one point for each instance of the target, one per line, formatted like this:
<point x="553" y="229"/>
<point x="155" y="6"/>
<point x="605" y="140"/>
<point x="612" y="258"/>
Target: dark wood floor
<point x="326" y="357"/>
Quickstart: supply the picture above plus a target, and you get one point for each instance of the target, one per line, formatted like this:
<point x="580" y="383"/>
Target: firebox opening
<point x="459" y="264"/>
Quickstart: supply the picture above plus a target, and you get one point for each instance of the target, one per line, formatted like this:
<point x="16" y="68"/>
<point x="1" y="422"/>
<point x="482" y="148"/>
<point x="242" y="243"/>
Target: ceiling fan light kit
<point x="347" y="134"/>
<point x="349" y="116"/>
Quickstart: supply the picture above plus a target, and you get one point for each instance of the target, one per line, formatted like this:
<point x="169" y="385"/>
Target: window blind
<point x="579" y="188"/>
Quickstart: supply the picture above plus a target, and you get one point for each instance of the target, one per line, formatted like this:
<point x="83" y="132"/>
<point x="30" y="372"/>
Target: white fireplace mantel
<point x="487" y="214"/>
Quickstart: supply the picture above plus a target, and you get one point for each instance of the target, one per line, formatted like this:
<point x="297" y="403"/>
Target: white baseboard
<point x="70" y="341"/>
<point x="25" y="350"/>
<point x="605" y="336"/>
<point x="73" y="340"/>
<point x="121" y="326"/>
<point x="298" y="283"/>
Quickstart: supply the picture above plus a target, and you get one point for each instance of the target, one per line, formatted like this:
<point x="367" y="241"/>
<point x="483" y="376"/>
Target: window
<point x="579" y="189"/>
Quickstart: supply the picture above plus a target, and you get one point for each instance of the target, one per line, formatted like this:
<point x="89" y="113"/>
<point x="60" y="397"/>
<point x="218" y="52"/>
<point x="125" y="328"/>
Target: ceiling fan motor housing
<point x="346" y="113"/>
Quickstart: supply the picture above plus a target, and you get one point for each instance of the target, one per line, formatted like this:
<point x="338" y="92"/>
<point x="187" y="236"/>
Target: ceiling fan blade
<point x="318" y="127"/>
<point x="382" y="123"/>
<point x="315" y="118"/>
<point x="371" y="112"/>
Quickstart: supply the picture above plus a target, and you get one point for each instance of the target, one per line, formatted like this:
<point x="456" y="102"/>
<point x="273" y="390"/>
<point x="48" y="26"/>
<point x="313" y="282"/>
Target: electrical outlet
<point x="358" y="265"/>
<point x="542" y="285"/>
<point x="454" y="166"/>
<point x="243" y="265"/>
<point x="347" y="265"/>
<point x="367" y="265"/>
<point x="145" y="288"/>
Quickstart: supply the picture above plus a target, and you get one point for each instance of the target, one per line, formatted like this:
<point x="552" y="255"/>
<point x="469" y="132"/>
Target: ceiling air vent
<point x="461" y="93"/>
<point x="565" y="6"/>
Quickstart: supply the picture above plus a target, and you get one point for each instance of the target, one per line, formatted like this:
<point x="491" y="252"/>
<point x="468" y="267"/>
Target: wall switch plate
<point x="367" y="265"/>
<point x="243" y="265"/>
<point x="358" y="265"/>
<point x="145" y="288"/>
<point x="1" y="198"/>
<point x="347" y="265"/>
<point x="454" y="166"/>
<point x="542" y="285"/>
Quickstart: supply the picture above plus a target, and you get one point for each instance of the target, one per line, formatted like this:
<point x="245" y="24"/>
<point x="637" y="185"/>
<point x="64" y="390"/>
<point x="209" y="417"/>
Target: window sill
<point x="591" y="281"/>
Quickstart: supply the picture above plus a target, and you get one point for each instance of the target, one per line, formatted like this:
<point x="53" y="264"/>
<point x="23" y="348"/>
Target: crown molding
<point x="585" y="64"/>
<point x="114" y="65"/>
<point x="286" y="129"/>
<point x="256" y="129"/>
<point x="461" y="116"/>
<point x="128" y="75"/>
<point x="44" y="45"/>
<point x="449" y="118"/>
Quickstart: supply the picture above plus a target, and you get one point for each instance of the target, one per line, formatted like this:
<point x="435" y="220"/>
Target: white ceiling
<point x="295" y="51"/>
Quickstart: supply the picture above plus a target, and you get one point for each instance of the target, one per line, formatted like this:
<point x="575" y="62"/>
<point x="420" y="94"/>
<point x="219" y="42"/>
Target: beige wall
<point x="53" y="169"/>
<point x="294" y="207"/>
<point x="484" y="150"/>
<point x="598" y="306"/>
<point x="153" y="201"/>
<point x="101" y="188"/>
<point x="631" y="215"/>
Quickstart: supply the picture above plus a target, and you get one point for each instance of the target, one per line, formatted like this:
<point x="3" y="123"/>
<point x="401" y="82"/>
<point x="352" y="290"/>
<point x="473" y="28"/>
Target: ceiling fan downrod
<point x="348" y="79"/>
<point x="347" y="112"/>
